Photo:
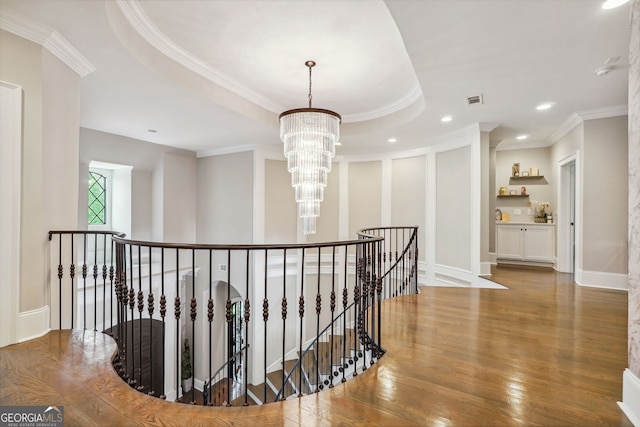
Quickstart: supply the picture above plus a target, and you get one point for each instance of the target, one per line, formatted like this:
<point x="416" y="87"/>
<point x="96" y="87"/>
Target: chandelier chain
<point x="310" y="96"/>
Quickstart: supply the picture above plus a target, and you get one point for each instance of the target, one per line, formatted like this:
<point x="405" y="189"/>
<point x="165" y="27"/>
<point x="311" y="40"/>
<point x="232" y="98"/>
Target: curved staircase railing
<point x="290" y="304"/>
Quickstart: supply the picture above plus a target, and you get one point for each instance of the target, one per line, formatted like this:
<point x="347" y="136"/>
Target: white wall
<point x="48" y="194"/>
<point x="453" y="209"/>
<point x="224" y="210"/>
<point x="10" y="178"/>
<point x="121" y="200"/>
<point x="141" y="201"/>
<point x="600" y="151"/>
<point x="179" y="198"/>
<point x="605" y="195"/>
<point x="157" y="202"/>
<point x="365" y="185"/>
<point x="409" y="194"/>
<point x="279" y="204"/>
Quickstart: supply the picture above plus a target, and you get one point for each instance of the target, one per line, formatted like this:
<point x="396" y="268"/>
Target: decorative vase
<point x="186" y="385"/>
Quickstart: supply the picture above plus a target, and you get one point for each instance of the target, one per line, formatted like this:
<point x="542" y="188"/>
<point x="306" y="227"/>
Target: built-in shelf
<point x="512" y="195"/>
<point x="516" y="178"/>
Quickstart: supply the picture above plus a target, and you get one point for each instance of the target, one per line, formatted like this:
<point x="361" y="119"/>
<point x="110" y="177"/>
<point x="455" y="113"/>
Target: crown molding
<point x="488" y="126"/>
<point x="142" y="24"/>
<point x="605" y="112"/>
<point x="46" y="37"/>
<point x="239" y="149"/>
<point x="414" y="95"/>
<point x="576" y="118"/>
<point x="572" y="121"/>
<point x="457" y="139"/>
<point x="519" y="145"/>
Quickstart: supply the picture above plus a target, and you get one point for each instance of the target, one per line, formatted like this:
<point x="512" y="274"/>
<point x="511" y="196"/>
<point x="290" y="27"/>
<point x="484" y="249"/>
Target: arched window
<point x="97" y="214"/>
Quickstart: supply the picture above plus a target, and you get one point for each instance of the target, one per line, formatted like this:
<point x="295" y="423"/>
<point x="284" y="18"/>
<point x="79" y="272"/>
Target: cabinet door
<point x="538" y="243"/>
<point x="509" y="242"/>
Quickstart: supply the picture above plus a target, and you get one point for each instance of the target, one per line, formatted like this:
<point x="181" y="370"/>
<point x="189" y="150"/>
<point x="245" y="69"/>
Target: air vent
<point x="474" y="100"/>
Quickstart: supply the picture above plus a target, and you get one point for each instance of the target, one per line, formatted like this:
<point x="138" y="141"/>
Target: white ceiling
<point x="212" y="76"/>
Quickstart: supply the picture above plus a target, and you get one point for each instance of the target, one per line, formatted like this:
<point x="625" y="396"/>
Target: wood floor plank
<point x="543" y="352"/>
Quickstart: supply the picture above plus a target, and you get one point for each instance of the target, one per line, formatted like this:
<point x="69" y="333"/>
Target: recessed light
<point x="338" y="143"/>
<point x="544" y="106"/>
<point x="392" y="140"/>
<point x="610" y="4"/>
<point x="446" y="119"/>
<point x="152" y="130"/>
<point x="521" y="137"/>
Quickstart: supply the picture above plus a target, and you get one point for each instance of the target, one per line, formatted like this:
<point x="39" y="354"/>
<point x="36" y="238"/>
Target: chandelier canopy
<point x="309" y="136"/>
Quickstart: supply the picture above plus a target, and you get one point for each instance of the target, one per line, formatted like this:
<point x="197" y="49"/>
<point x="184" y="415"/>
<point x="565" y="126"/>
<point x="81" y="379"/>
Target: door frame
<point x="566" y="262"/>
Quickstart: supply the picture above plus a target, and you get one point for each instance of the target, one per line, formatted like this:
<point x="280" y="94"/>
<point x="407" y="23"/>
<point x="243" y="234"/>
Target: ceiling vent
<point x="472" y="100"/>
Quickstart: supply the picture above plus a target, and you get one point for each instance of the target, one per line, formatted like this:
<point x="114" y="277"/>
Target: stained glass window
<point x="97" y="214"/>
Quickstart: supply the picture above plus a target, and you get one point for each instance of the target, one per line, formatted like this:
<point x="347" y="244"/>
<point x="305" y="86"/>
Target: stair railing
<point x="310" y="367"/>
<point x="223" y="386"/>
<point x="201" y="281"/>
<point x="397" y="275"/>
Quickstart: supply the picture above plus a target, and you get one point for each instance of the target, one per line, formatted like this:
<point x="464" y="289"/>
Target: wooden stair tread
<point x="258" y="391"/>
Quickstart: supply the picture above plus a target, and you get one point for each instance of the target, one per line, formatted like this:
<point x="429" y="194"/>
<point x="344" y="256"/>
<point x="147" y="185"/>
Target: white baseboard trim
<point x="422" y="273"/>
<point x="33" y="323"/>
<point x="598" y="279"/>
<point x="455" y="277"/>
<point x="630" y="404"/>
<point x="444" y="275"/>
<point x="485" y="268"/>
<point x="493" y="258"/>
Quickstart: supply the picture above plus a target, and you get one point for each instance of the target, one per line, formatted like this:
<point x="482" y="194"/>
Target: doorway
<point x="234" y="335"/>
<point x="567" y="216"/>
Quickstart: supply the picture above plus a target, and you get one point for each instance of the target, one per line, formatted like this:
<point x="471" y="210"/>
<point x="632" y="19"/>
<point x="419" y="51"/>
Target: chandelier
<point x="309" y="136"/>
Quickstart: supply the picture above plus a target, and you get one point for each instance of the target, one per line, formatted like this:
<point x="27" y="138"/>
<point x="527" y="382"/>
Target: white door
<point x="572" y="215"/>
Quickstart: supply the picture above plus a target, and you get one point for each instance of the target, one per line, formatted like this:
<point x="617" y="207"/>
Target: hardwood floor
<point x="544" y="352"/>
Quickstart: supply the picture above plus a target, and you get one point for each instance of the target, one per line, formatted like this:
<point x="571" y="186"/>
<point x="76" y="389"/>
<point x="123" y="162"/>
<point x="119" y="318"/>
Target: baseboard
<point x="33" y="324"/>
<point x="630" y="404"/>
<point x="450" y="276"/>
<point x="455" y="277"/>
<point x="485" y="269"/>
<point x="422" y="273"/>
<point x="598" y="279"/>
<point x="493" y="258"/>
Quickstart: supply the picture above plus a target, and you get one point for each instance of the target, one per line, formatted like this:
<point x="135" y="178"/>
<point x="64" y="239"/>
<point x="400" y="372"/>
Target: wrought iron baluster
<point x="163" y="312"/>
<point x="284" y="319"/>
<point x="301" y="315"/>
<point x="151" y="308"/>
<point x="140" y="309"/>
<point x="177" y="308"/>
<point x="194" y="305"/>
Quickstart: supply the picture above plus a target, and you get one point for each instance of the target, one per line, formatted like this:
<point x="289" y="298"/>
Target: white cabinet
<point x="526" y="243"/>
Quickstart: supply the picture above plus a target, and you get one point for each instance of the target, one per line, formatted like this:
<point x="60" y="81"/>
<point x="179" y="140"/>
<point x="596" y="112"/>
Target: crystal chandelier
<point x="309" y="136"/>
